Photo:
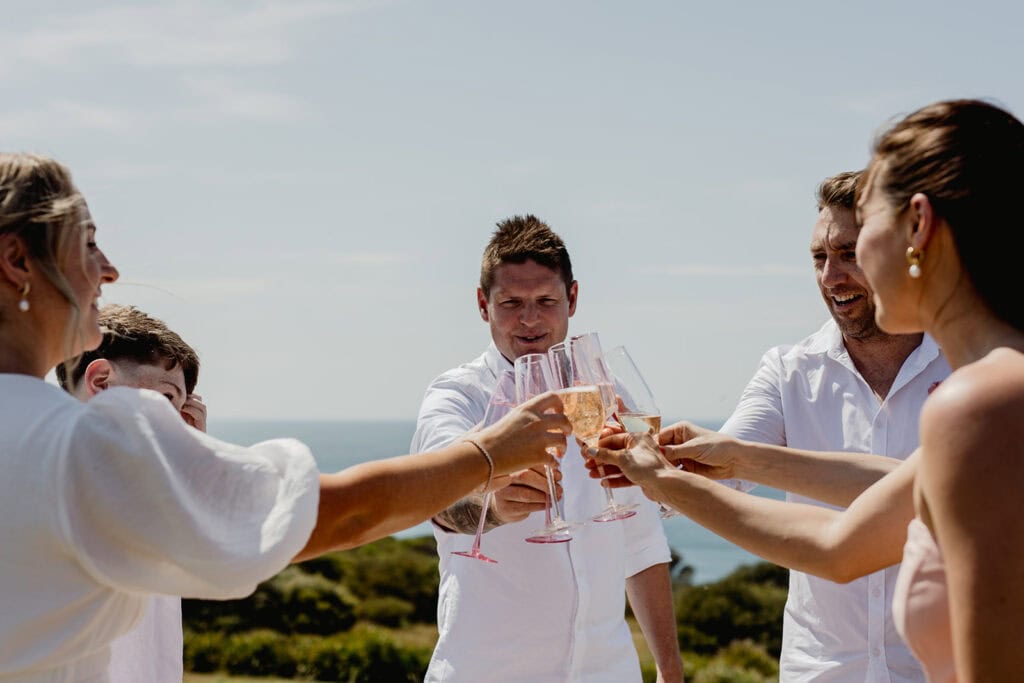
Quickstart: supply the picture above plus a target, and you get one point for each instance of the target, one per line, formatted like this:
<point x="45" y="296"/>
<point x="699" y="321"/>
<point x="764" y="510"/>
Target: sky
<point x="302" y="189"/>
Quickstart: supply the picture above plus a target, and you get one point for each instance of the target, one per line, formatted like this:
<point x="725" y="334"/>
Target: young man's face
<point x="528" y="309"/>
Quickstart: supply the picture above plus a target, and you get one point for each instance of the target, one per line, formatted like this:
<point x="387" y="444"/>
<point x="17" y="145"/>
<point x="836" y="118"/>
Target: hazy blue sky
<point x="303" y="188"/>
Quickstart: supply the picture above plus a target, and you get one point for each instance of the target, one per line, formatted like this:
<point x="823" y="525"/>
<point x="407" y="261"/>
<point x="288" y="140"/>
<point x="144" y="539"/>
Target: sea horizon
<point x="337" y="444"/>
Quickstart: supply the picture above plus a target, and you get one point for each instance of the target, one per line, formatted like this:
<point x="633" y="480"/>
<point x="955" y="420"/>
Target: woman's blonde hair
<point x="40" y="204"/>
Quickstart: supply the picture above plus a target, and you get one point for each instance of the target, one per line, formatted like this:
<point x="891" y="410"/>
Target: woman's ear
<point x="14" y="266"/>
<point x="922" y="221"/>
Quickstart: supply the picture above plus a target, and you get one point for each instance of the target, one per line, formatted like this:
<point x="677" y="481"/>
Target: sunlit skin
<point x="843" y="285"/>
<point x="528" y="309"/>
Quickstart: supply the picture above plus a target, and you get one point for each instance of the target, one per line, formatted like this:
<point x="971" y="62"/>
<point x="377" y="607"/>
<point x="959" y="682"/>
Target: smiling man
<point x="545" y="612"/>
<point x="847" y="387"/>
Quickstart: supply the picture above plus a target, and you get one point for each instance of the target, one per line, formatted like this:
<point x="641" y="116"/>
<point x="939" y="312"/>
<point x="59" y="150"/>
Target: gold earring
<point x="914" y="257"/>
<point x="23" y="304"/>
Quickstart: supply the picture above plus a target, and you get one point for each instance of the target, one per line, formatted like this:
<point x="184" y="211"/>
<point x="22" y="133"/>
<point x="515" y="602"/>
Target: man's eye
<point x="169" y="398"/>
<point x="509" y="304"/>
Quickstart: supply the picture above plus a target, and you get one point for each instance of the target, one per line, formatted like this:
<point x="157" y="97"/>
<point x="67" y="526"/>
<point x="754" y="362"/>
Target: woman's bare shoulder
<point x="977" y="409"/>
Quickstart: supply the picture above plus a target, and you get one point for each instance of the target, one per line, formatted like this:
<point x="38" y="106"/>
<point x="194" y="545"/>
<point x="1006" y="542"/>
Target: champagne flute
<point x="502" y="401"/>
<point x="533" y="377"/>
<point x="637" y="410"/>
<point x="588" y="367"/>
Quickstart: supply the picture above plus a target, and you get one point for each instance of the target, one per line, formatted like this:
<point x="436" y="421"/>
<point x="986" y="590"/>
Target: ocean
<point x="340" y="444"/>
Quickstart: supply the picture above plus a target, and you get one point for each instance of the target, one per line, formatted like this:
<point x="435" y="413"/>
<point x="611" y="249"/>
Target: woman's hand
<point x="522" y="438"/>
<point x="636" y="456"/>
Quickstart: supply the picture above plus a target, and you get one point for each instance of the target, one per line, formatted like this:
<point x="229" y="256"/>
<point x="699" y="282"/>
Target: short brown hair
<point x="129" y="334"/>
<point x="838" y="191"/>
<point x="522" y="238"/>
<point x="967" y="157"/>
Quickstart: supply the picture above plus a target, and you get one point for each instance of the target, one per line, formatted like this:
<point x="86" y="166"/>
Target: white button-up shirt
<point x="544" y="613"/>
<point x="811" y="396"/>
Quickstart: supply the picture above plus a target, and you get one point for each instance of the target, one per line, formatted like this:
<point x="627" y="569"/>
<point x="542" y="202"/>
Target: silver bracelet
<point x="490" y="461"/>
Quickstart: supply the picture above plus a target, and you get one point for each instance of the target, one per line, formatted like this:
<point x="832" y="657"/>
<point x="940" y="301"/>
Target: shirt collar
<point x="496" y="362"/>
<point x="831" y="342"/>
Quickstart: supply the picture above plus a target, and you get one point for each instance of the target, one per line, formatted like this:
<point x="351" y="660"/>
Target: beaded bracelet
<point x="490" y="461"/>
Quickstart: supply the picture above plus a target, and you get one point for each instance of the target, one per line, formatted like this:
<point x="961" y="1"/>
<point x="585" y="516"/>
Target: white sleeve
<point x="758" y="416"/>
<point x="153" y="506"/>
<point x="646" y="544"/>
<point x="448" y="411"/>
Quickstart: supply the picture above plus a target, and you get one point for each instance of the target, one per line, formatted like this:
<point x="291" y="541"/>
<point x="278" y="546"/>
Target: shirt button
<point x="875" y="652"/>
<point x="877" y="592"/>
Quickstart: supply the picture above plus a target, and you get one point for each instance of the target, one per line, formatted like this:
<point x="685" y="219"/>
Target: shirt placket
<point x="878" y="668"/>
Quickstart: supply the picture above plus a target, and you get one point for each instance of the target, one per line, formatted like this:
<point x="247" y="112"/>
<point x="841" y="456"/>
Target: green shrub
<point x="748" y="655"/>
<point x="259" y="653"/>
<point x="366" y="655"/>
<point x="291" y="602"/>
<point x="386" y="611"/>
<point x="747" y="604"/>
<point x="203" y="652"/>
<point x="398" y="568"/>
<point x="720" y="671"/>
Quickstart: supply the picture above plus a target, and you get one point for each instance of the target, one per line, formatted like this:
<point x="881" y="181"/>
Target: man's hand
<point x="194" y="412"/>
<point x="700" y="450"/>
<point x="524" y="492"/>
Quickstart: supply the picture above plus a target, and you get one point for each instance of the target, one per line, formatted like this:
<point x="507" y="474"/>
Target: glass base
<point x="475" y="554"/>
<point x="613" y="513"/>
<point x="550" y="535"/>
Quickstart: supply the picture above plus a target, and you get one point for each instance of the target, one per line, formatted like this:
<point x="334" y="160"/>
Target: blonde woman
<point x="105" y="503"/>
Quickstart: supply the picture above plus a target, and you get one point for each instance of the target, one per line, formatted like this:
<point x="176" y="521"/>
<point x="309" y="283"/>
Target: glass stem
<point x="483" y="520"/>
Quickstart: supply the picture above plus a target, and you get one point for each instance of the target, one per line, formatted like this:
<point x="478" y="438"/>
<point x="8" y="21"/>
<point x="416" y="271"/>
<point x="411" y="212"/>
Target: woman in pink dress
<point x="941" y="235"/>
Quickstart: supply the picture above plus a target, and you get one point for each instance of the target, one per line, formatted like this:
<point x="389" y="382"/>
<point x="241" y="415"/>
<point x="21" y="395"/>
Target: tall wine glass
<point x="502" y="401"/>
<point x="637" y="410"/>
<point x="588" y="367"/>
<point x="533" y="377"/>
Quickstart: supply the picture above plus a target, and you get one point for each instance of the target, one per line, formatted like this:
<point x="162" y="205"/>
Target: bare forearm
<point x="464" y="516"/>
<point x="817" y="540"/>
<point x="650" y="596"/>
<point x="835" y="478"/>
<point x="375" y="499"/>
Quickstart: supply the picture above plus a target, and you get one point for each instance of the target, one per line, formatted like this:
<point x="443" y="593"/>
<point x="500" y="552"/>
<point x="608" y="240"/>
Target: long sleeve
<point x="154" y="506"/>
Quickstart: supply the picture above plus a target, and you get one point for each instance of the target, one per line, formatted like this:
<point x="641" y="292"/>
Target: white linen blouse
<point x="105" y="503"/>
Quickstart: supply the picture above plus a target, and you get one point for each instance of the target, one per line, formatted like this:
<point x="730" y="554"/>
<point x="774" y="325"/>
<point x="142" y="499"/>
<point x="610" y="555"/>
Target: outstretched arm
<point x="837" y="545"/>
<point x="835" y="478"/>
<point x="375" y="499"/>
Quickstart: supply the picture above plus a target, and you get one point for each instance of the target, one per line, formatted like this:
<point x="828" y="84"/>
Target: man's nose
<point x="833" y="273"/>
<point x="529" y="314"/>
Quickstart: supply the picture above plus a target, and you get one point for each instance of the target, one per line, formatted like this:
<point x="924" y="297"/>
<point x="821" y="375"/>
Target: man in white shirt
<point x="847" y="387"/>
<point x="141" y="352"/>
<point x="552" y="612"/>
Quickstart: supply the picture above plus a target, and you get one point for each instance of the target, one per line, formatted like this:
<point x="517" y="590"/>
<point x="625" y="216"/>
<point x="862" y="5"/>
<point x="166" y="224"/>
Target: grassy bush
<point x="386" y="611"/>
<point x="746" y="605"/>
<point x="203" y="652"/>
<point x="291" y="602"/>
<point x="259" y="653"/>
